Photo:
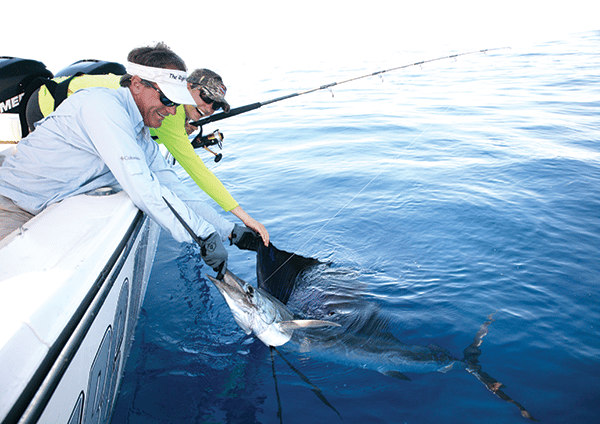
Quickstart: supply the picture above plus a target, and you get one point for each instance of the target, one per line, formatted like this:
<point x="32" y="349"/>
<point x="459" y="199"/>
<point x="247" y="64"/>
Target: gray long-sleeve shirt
<point x="97" y="138"/>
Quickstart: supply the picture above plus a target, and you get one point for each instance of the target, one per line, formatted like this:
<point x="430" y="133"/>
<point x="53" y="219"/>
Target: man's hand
<point x="214" y="253"/>
<point x="244" y="238"/>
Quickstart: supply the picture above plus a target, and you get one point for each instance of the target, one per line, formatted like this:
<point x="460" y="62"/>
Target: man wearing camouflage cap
<point x="208" y="86"/>
<point x="208" y="91"/>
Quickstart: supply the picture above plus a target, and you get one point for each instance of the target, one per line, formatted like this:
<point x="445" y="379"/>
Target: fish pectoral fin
<point x="397" y="374"/>
<point x="297" y="324"/>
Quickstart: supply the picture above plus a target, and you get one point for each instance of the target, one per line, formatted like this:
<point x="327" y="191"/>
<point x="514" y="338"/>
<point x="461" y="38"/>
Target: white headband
<point x="172" y="82"/>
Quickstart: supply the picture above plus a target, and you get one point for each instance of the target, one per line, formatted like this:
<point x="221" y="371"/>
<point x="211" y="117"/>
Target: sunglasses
<point x="215" y="105"/>
<point x="163" y="99"/>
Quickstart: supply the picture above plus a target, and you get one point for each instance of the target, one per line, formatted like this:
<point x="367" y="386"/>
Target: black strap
<point x="62" y="90"/>
<point x="33" y="85"/>
<point x="59" y="92"/>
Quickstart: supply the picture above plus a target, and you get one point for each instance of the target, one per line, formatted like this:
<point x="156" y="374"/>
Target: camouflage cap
<point x="212" y="84"/>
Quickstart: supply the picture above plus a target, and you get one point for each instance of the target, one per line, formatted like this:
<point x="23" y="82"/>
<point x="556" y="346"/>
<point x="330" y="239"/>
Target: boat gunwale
<point x="30" y="404"/>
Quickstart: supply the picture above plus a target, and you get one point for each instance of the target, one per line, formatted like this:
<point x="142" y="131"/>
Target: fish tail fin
<point x="471" y="359"/>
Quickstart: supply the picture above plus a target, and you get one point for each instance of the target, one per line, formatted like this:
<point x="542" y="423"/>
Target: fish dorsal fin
<point x="277" y="270"/>
<point x="297" y="324"/>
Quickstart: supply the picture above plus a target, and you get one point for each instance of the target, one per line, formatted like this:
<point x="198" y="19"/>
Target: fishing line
<point x="279" y="409"/>
<point x="355" y="196"/>
<point x="316" y="390"/>
<point x="328" y="86"/>
<point x="253" y="106"/>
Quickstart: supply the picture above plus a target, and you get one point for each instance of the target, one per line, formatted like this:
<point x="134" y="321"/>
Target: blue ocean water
<point x="456" y="189"/>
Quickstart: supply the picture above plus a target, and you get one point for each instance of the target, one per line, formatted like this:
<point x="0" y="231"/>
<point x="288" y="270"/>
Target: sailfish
<point x="317" y="308"/>
<point x="313" y="307"/>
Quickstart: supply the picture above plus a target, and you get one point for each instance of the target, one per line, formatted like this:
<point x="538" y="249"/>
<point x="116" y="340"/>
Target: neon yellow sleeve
<point x="172" y="134"/>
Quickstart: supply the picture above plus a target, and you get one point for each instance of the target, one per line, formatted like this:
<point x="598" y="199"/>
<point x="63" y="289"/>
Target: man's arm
<point x="172" y="134"/>
<point x="109" y="127"/>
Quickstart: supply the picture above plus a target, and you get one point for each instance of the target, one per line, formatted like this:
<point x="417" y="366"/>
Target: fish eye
<point x="250" y="291"/>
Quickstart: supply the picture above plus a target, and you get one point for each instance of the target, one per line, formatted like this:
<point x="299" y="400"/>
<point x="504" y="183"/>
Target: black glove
<point x="244" y="238"/>
<point x="213" y="252"/>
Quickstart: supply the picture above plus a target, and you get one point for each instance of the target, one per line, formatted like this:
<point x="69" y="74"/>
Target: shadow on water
<point x="315" y="290"/>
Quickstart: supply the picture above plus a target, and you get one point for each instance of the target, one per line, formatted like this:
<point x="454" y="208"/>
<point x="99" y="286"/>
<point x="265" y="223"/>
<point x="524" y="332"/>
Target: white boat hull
<point x="72" y="281"/>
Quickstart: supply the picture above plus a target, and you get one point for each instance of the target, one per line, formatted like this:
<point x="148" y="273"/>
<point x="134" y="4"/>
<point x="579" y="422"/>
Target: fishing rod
<point x="253" y="106"/>
<point x="386" y="166"/>
<point x="191" y="233"/>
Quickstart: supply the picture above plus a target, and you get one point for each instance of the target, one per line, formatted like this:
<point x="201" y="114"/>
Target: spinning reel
<point x="214" y="138"/>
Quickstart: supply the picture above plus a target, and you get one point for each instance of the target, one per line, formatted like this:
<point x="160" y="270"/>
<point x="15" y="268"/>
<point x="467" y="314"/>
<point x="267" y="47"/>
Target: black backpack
<point x="31" y="75"/>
